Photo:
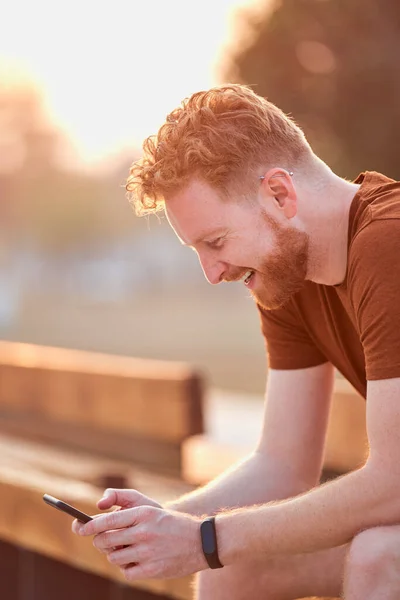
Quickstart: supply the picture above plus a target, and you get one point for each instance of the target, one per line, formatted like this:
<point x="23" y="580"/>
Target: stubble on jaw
<point x="284" y="273"/>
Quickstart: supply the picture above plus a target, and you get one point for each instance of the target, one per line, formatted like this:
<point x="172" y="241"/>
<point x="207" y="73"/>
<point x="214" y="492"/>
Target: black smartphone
<point x="67" y="508"/>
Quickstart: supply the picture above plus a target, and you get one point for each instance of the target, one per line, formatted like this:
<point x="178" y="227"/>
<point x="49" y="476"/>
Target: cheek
<point x="257" y="252"/>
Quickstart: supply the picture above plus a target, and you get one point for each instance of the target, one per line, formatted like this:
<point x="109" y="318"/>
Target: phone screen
<point x="67" y="508"/>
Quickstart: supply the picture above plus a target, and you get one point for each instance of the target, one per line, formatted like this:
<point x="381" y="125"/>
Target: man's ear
<point x="278" y="185"/>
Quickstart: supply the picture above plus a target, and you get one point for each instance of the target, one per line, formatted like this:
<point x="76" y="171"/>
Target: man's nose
<point x="213" y="270"/>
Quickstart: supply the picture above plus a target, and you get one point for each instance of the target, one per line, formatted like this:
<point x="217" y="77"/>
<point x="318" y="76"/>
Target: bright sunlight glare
<point x="110" y="72"/>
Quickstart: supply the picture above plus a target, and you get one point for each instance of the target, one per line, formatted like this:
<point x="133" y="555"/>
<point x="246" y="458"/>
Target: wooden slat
<point x="160" y="456"/>
<point x="155" y="399"/>
<point x="82" y="466"/>
<point x="26" y="521"/>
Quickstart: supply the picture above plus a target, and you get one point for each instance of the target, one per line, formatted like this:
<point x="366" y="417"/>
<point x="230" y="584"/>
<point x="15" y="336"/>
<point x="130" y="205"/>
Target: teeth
<point x="247" y="276"/>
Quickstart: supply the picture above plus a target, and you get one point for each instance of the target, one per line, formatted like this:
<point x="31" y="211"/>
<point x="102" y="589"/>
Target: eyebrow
<point x="204" y="236"/>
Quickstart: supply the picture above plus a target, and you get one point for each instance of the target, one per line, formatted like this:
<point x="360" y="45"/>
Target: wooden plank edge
<point x="86" y="467"/>
<point x="25" y="520"/>
<point x="67" y="359"/>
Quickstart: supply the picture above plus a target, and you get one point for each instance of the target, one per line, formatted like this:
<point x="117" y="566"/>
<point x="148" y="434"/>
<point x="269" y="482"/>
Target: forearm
<point x="327" y="516"/>
<point x="256" y="480"/>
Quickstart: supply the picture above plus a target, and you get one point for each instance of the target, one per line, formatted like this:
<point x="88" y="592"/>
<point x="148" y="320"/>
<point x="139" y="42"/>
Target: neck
<point x="328" y="242"/>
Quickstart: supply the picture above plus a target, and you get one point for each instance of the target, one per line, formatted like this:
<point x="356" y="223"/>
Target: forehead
<point x="198" y="210"/>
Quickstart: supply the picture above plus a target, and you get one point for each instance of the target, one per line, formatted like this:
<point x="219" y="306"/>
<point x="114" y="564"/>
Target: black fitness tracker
<point x="209" y="543"/>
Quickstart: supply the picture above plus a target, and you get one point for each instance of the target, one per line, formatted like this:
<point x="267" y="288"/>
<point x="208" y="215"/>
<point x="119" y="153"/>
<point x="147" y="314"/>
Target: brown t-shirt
<point x="354" y="325"/>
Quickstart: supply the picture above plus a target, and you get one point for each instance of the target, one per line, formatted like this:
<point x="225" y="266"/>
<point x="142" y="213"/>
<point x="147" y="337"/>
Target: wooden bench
<point x="120" y="407"/>
<point x="150" y="413"/>
<point x="77" y="465"/>
<point x="37" y="546"/>
<point x="36" y="541"/>
<point x="73" y="422"/>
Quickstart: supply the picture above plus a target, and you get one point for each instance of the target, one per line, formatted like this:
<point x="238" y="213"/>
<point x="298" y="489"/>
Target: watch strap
<point x="209" y="543"/>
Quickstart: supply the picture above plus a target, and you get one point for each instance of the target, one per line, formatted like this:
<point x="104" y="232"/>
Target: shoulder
<point x="376" y="226"/>
<point x="378" y="199"/>
<point x="377" y="241"/>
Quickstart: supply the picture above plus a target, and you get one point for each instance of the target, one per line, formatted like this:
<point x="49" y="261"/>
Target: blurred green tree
<point x="43" y="201"/>
<point x="334" y="66"/>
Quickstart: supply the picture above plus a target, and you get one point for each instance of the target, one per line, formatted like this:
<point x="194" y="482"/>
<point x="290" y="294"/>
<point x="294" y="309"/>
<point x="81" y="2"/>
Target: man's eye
<point x="217" y="243"/>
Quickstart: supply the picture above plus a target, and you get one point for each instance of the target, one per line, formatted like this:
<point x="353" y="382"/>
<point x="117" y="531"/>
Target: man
<point x="241" y="186"/>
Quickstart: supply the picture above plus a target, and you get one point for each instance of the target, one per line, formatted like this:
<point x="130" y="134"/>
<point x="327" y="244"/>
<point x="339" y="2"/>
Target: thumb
<point x="124" y="499"/>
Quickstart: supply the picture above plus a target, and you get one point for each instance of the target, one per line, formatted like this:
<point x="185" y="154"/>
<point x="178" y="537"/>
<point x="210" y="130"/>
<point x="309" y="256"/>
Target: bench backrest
<point x="131" y="408"/>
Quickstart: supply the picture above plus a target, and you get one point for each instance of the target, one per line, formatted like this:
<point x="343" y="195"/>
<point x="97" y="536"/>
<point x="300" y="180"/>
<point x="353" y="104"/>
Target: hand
<point x="123" y="499"/>
<point x="148" y="542"/>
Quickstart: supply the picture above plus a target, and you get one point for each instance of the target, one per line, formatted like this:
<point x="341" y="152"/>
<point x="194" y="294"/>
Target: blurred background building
<point x="81" y="85"/>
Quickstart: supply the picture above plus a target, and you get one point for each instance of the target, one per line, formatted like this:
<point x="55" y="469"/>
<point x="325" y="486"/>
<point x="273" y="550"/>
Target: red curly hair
<point x="223" y="136"/>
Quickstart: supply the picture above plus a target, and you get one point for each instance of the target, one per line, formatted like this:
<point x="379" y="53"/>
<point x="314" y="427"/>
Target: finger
<point x="115" y="497"/>
<point x="109" y="499"/>
<point x="113" y="520"/>
<point x="123" y="557"/>
<point x="134" y="572"/>
<point x="112" y="540"/>
<point x="124" y="499"/>
<point x="77" y="525"/>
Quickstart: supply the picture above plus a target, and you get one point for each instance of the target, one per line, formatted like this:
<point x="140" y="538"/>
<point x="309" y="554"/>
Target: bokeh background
<point x="81" y="85"/>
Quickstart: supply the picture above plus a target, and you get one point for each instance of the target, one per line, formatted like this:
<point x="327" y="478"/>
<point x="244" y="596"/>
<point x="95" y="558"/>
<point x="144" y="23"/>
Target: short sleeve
<point x="288" y="344"/>
<point x="374" y="287"/>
